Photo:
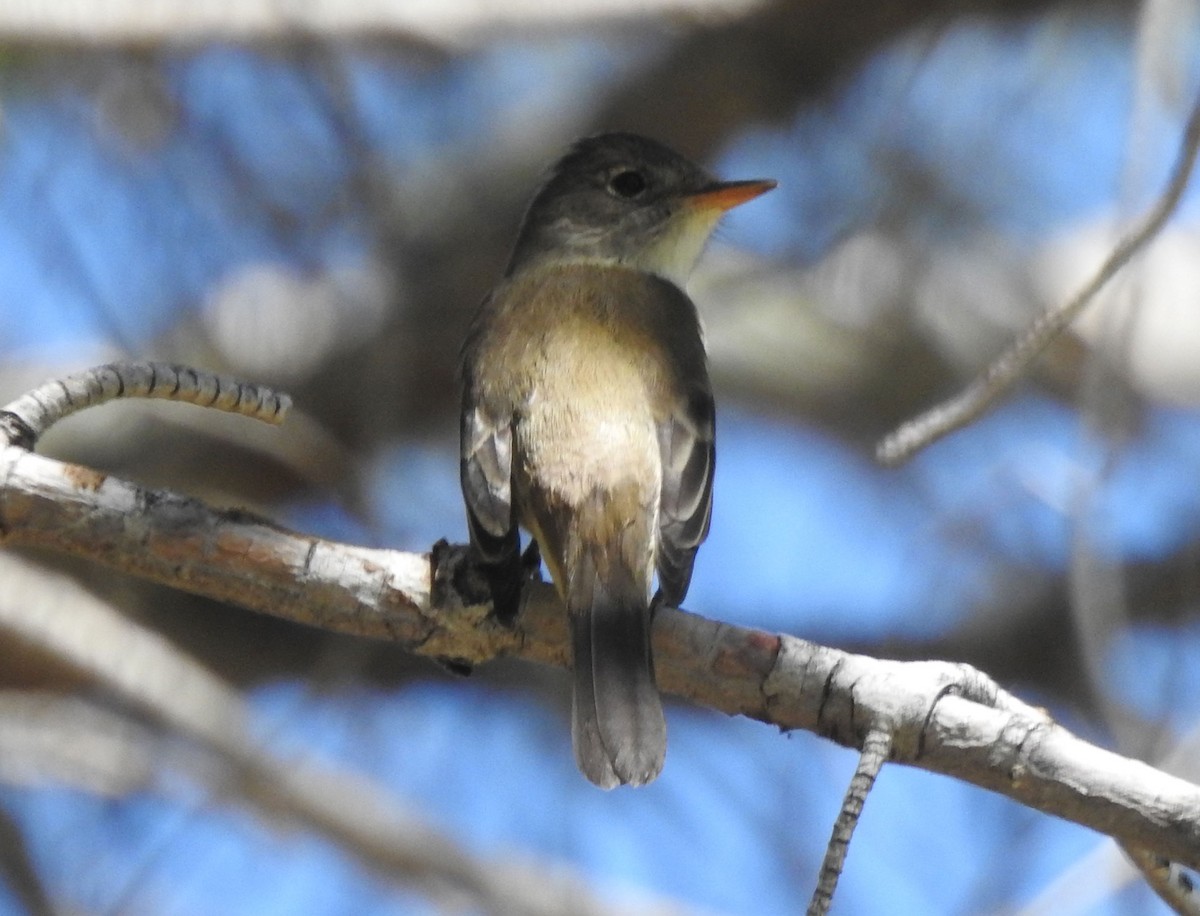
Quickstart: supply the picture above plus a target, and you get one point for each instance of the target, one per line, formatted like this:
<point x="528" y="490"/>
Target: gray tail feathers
<point x="618" y="729"/>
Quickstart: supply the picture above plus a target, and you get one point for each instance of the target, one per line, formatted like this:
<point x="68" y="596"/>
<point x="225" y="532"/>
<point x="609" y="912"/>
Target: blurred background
<point x="320" y="202"/>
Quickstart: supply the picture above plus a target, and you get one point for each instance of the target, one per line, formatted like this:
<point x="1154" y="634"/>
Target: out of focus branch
<point x="17" y="867"/>
<point x="942" y="717"/>
<point x="449" y="21"/>
<point x="57" y="615"/>
<point x="996" y="380"/>
<point x="48" y="738"/>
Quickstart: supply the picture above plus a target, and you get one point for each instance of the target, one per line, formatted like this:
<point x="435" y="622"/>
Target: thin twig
<point x="1169" y="880"/>
<point x="25" y="420"/>
<point x="875" y="750"/>
<point x="19" y="871"/>
<point x="925" y="429"/>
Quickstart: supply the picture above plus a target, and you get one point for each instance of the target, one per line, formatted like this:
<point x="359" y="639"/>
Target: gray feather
<point x="685" y="440"/>
<point x="618" y="729"/>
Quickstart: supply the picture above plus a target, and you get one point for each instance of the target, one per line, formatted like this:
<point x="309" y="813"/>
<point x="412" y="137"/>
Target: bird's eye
<point x="628" y="184"/>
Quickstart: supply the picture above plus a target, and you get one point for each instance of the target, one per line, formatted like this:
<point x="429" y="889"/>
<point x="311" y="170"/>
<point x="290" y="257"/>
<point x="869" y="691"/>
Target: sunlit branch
<point x="27" y="418"/>
<point x="941" y="717"/>
<point x="876" y="747"/>
<point x="53" y="613"/>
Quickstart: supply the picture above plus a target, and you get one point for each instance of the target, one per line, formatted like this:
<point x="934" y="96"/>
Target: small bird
<point x="587" y="419"/>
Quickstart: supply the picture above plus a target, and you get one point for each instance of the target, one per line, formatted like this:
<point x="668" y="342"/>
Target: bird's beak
<point x="725" y="195"/>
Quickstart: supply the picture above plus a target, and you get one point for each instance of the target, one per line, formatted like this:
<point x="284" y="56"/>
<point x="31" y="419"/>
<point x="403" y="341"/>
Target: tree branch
<point x="144" y="670"/>
<point x="996" y="380"/>
<point x="945" y="718"/>
<point x="1167" y="879"/>
<point x="25" y="420"/>
<point x="876" y="747"/>
<point x="452" y="21"/>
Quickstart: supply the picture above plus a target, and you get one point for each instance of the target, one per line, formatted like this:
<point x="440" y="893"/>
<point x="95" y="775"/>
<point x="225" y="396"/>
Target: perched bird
<point x="587" y="418"/>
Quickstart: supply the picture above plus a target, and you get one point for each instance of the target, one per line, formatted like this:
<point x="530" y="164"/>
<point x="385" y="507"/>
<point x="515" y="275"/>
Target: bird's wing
<point x="686" y="444"/>
<point x="485" y="469"/>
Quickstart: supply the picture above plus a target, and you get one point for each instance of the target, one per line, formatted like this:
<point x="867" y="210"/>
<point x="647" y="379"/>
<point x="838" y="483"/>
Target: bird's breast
<point x="587" y="422"/>
<point x="591" y="357"/>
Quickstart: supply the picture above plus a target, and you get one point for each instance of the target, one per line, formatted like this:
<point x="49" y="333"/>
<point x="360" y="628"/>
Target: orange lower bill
<point x="728" y="194"/>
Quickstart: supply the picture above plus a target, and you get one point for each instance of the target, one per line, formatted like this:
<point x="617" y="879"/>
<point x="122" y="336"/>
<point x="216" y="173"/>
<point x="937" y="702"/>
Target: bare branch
<point x="995" y="381"/>
<point x="19" y="872"/>
<point x="1172" y="884"/>
<point x="27" y="418"/>
<point x="46" y="738"/>
<point x="56" y="614"/>
<point x="125" y="21"/>
<point x="876" y="747"/>
<point x="947" y="718"/>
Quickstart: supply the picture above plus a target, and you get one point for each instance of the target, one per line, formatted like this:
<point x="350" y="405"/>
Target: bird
<point x="587" y="418"/>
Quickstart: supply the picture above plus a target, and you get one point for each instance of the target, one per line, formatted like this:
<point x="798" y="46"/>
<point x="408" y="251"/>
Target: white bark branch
<point x="55" y="614"/>
<point x="877" y="747"/>
<point x="25" y="420"/>
<point x="439" y="21"/>
<point x="945" y="718"/>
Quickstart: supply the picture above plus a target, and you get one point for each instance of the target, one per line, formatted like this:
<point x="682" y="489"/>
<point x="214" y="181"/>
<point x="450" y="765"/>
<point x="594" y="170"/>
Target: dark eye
<point x="627" y="184"/>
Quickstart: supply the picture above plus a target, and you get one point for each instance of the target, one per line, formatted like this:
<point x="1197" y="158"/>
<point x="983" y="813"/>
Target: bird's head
<point x="625" y="199"/>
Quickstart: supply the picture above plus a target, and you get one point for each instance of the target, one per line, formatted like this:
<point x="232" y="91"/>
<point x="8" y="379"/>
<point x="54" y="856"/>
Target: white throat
<point x="675" y="252"/>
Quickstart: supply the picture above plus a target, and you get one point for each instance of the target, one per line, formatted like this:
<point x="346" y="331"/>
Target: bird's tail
<point x="618" y="729"/>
